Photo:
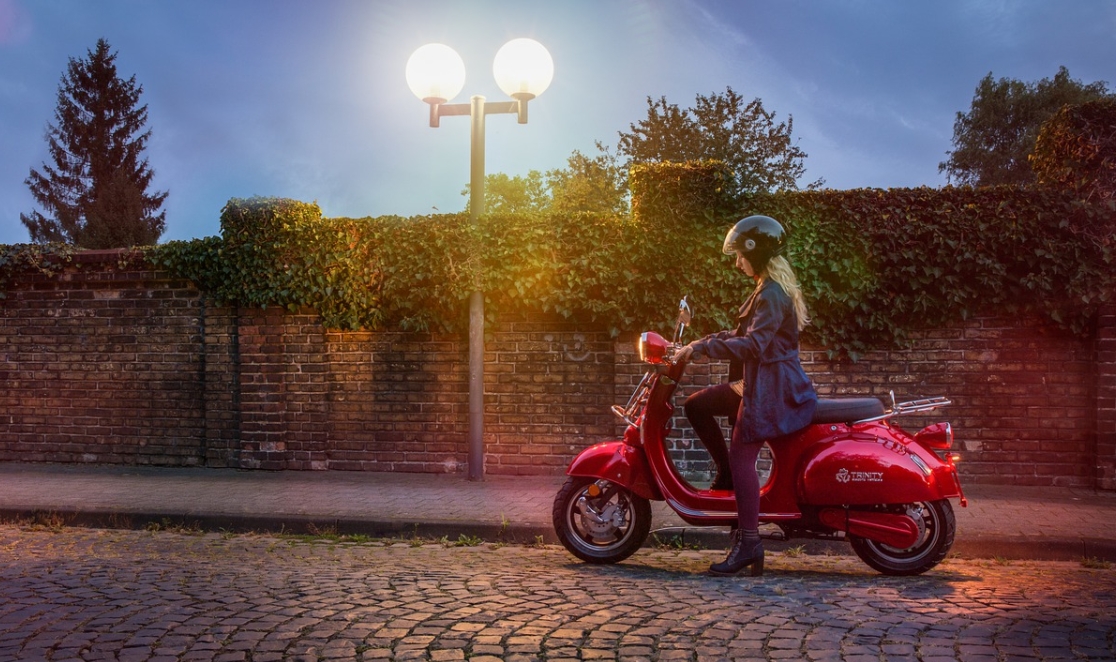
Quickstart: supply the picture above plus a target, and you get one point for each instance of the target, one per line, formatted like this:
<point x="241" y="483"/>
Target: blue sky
<point x="307" y="99"/>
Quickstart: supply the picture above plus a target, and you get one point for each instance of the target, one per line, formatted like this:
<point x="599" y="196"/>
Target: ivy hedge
<point x="875" y="264"/>
<point x="878" y="264"/>
<point x="47" y="259"/>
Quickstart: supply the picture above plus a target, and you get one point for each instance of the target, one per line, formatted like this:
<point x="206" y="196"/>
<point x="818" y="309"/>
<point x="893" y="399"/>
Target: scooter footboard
<point x="619" y="463"/>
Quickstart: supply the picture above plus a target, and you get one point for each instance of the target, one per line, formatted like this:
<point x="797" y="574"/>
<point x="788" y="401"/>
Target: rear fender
<point x="617" y="462"/>
<point x="872" y="466"/>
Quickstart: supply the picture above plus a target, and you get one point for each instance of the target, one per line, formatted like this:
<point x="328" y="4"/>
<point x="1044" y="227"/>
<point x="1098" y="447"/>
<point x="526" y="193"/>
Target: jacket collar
<point x="750" y="304"/>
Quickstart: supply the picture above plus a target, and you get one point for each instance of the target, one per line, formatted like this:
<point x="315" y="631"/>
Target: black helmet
<point x="758" y="238"/>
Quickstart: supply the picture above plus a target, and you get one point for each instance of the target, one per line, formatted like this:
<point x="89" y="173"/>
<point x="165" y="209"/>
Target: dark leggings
<point x="745" y="482"/>
<point x="702" y="409"/>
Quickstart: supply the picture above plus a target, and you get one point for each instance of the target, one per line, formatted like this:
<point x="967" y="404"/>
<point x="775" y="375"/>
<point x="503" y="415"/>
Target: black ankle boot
<point x="747" y="550"/>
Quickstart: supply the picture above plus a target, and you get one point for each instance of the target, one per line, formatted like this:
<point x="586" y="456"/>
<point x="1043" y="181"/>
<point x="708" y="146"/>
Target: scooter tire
<point x="938" y="526"/>
<point x="600" y="540"/>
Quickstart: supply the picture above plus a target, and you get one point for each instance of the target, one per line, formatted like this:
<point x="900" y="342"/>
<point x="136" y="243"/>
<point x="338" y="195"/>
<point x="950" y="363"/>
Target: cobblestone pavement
<point x="88" y="594"/>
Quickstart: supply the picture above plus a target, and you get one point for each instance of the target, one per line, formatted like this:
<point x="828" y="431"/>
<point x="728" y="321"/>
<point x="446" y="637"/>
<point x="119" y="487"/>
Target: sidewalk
<point x="1000" y="521"/>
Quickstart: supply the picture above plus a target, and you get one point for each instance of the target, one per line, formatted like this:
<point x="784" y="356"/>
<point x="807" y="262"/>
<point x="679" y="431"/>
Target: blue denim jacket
<point x="779" y="398"/>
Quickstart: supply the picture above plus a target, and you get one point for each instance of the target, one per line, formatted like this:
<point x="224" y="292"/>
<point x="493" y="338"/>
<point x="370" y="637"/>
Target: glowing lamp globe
<point x="435" y="73"/>
<point x="523" y="68"/>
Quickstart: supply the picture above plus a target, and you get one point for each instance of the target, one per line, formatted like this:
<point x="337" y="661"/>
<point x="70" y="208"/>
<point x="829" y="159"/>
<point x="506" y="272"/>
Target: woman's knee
<point x="691" y="406"/>
<point x="697" y="405"/>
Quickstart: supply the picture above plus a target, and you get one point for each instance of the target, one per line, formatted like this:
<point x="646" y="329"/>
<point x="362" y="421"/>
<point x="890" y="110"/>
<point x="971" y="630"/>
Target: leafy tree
<point x="597" y="184"/>
<point x="992" y="142"/>
<point x="512" y="195"/>
<point x="1076" y="150"/>
<point x="721" y="127"/>
<point x="96" y="189"/>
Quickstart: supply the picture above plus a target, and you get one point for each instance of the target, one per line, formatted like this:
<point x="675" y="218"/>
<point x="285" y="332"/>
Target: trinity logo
<point x="846" y="476"/>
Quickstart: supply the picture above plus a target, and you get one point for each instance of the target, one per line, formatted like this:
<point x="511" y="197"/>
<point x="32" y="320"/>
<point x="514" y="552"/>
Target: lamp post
<point x="435" y="73"/>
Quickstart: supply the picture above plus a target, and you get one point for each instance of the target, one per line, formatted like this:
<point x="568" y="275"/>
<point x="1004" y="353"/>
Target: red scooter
<point x="851" y="475"/>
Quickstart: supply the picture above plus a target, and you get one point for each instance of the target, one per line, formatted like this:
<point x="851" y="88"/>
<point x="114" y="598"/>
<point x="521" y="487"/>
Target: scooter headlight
<point x="653" y="348"/>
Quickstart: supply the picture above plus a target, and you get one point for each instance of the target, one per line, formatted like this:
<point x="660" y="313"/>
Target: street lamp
<point x="435" y="73"/>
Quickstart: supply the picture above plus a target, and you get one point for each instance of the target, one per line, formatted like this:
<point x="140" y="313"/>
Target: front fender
<point x="619" y="463"/>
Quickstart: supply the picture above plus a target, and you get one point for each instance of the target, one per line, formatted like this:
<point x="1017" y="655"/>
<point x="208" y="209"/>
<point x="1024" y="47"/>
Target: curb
<point x="284" y="524"/>
<point x="1036" y="550"/>
<point x="680" y="537"/>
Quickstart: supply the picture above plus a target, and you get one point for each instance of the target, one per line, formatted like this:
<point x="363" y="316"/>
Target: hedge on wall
<point x="46" y="259"/>
<point x="875" y="264"/>
<point x="665" y="192"/>
<point x="414" y="273"/>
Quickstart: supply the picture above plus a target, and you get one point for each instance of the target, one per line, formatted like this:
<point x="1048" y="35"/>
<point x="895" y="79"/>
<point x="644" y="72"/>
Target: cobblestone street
<point x="88" y="594"/>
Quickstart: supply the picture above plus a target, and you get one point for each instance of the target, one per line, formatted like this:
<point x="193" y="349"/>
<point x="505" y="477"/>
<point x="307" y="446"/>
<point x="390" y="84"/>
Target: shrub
<point x="1076" y="150"/>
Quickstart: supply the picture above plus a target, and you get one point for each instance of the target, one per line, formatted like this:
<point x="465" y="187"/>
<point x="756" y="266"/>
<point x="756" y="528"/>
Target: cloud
<point x="15" y="23"/>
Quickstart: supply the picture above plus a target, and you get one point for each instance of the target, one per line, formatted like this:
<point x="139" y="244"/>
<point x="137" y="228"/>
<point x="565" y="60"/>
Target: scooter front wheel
<point x="599" y="521"/>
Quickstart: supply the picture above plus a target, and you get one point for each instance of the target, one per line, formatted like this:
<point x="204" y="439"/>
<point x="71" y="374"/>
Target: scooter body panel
<point x="871" y="464"/>
<point x="779" y="497"/>
<point x="897" y="530"/>
<point x="694" y="506"/>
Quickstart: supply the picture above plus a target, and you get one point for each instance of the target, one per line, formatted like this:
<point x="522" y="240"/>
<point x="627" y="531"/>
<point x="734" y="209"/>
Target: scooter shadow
<point x="782" y="570"/>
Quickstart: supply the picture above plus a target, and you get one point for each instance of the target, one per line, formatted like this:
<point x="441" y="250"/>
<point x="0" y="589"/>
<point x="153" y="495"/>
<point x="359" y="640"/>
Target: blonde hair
<point x="779" y="270"/>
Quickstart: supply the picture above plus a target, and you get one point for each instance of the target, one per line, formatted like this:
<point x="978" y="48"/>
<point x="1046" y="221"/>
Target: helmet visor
<point x="730" y="242"/>
<point x="733" y="242"/>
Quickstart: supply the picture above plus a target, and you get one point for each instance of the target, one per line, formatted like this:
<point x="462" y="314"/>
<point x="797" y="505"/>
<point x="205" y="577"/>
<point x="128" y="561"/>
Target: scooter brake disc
<point x="601" y="523"/>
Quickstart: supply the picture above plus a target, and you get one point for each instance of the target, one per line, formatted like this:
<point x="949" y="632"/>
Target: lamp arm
<point x="440" y="110"/>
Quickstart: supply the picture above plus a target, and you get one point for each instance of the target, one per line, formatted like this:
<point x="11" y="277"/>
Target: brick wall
<point x="220" y="387"/>
<point x="113" y="364"/>
<point x="1023" y="396"/>
<point x="1106" y="399"/>
<point x="102" y="365"/>
<point x="312" y="398"/>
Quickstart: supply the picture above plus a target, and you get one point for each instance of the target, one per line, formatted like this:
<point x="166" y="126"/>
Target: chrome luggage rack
<point x="909" y="407"/>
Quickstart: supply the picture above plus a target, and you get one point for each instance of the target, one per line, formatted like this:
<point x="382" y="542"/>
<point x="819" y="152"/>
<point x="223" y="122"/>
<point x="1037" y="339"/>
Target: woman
<point x="777" y="397"/>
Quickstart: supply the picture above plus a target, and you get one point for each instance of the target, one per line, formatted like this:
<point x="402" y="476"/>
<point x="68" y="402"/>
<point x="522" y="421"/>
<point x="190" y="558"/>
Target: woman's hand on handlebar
<point x="684" y="352"/>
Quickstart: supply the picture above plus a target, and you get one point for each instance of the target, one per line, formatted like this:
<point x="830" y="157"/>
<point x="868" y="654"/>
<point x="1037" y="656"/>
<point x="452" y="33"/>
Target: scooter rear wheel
<point x="599" y="521"/>
<point x="937" y="526"/>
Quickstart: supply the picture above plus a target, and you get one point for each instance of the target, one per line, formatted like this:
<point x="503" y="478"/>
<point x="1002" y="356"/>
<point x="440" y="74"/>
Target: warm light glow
<point x="523" y="68"/>
<point x="435" y="73"/>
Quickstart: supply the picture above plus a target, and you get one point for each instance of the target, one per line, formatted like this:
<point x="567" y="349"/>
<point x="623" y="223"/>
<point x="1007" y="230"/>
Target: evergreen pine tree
<point x="95" y="194"/>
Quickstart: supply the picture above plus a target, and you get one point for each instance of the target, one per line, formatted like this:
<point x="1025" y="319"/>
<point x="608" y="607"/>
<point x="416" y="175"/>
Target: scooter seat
<point x="846" y="410"/>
